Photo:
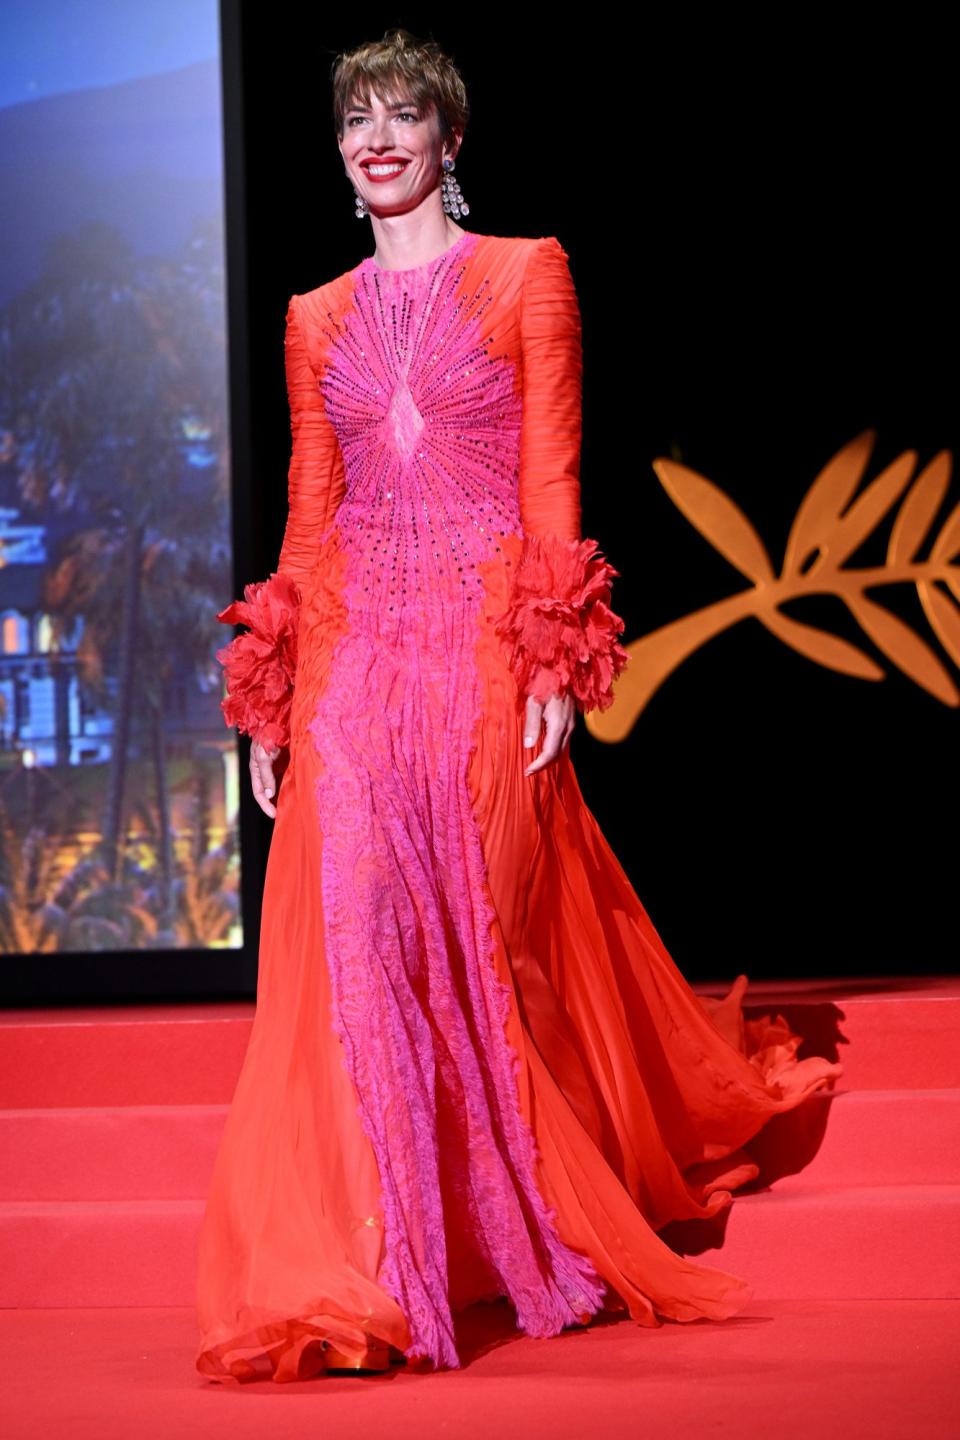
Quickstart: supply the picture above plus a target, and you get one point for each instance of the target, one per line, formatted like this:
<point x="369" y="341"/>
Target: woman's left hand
<point x="559" y="714"/>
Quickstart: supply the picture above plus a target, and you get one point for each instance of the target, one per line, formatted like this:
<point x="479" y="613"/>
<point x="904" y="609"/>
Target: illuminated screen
<point x="118" y="776"/>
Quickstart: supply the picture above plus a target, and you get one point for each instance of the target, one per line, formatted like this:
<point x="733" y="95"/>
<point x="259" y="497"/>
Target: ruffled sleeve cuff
<point x="260" y="665"/>
<point x="559" y="629"/>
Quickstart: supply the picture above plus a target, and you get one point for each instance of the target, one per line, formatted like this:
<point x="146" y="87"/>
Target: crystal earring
<point x="452" y="202"/>
<point x="361" y="210"/>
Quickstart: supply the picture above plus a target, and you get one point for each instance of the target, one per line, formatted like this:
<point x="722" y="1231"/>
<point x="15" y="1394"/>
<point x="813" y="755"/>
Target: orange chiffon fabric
<point x="638" y="1097"/>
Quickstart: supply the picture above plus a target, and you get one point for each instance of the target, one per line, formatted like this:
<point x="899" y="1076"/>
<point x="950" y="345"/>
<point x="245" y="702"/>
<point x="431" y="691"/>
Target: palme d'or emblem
<point x="828" y="528"/>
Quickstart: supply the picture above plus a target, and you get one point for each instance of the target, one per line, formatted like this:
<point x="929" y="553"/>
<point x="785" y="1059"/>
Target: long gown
<point x="474" y="1070"/>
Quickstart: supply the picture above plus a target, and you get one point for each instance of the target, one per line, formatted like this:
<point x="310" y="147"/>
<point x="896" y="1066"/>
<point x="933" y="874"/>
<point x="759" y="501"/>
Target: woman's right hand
<point x="262" y="776"/>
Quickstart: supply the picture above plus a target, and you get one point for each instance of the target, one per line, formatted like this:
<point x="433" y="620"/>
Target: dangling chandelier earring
<point x="452" y="202"/>
<point x="361" y="209"/>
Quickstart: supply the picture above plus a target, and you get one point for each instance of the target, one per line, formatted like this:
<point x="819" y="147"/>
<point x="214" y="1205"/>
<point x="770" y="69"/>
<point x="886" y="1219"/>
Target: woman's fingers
<point x="533" y="719"/>
<point x="559" y="714"/>
<point x="261" y="777"/>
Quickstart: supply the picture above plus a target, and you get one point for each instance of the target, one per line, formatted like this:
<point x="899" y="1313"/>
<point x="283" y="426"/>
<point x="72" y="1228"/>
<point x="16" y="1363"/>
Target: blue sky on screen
<point x="49" y="47"/>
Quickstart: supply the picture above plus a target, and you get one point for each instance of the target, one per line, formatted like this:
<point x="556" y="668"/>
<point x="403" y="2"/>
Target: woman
<point x="474" y="1070"/>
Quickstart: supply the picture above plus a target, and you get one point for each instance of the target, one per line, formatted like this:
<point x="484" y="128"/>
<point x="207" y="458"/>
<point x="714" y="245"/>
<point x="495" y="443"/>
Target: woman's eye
<point x="401" y="115"/>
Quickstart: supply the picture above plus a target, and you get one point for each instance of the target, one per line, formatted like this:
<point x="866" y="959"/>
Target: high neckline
<point x="414" y="269"/>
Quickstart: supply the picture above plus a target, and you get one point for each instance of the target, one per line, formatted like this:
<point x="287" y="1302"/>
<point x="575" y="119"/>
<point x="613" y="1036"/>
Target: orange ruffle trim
<point x="559" y="627"/>
<point x="260" y="665"/>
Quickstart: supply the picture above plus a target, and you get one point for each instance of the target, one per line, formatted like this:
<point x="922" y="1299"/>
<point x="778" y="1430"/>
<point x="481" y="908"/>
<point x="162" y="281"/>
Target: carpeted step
<point x="166" y="1152"/>
<point x="801" y="1241"/>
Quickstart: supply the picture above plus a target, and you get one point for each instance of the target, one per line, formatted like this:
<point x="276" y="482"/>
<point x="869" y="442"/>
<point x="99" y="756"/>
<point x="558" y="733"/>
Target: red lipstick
<point x="384" y="160"/>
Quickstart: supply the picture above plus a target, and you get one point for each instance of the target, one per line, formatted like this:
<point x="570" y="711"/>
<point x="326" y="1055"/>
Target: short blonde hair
<point x="401" y="67"/>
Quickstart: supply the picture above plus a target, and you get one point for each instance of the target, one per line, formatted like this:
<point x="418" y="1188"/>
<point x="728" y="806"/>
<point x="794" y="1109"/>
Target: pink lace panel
<point x="429" y="423"/>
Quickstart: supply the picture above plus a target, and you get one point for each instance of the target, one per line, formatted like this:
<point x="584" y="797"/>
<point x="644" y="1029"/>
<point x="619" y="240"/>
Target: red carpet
<point x="109" y="1119"/>
<point x="790" y="1369"/>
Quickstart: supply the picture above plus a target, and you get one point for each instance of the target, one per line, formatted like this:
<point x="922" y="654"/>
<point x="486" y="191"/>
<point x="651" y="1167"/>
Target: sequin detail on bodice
<point x="428" y="422"/>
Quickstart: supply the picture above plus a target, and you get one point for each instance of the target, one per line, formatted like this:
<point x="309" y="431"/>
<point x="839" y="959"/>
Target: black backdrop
<point x="757" y="226"/>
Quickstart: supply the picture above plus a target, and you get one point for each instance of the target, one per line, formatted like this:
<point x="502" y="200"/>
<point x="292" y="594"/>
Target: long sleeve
<point x="260" y="665"/>
<point x="551" y="428"/>
<point x="559" y="628"/>
<point x="315" y="480"/>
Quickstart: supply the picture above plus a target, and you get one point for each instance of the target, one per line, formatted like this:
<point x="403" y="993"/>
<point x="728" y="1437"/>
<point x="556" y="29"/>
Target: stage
<point x="110" y="1119"/>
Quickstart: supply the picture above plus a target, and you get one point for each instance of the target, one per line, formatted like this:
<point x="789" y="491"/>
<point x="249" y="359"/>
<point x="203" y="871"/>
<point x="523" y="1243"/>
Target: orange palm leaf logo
<point x="831" y="523"/>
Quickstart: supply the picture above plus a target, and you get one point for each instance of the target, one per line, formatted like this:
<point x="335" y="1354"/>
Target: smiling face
<point x="393" y="152"/>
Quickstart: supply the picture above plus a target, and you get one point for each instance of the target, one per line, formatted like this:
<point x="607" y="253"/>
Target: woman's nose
<point x="380" y="137"/>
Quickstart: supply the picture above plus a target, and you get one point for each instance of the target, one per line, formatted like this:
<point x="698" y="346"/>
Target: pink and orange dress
<point x="474" y="1070"/>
